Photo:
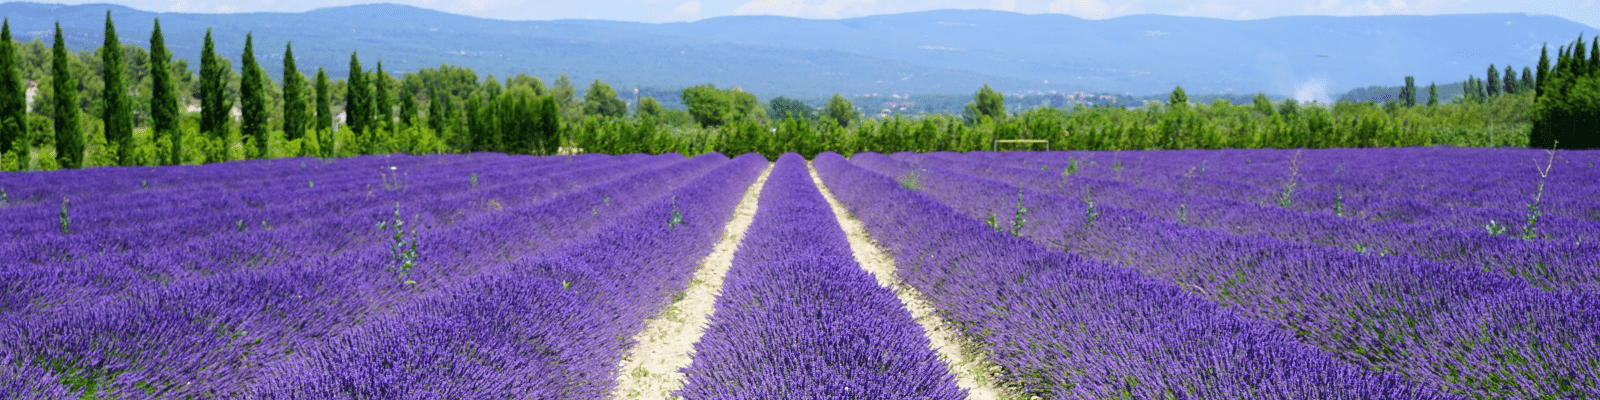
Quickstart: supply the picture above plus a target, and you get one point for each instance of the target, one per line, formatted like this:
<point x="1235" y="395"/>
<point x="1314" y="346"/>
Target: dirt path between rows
<point x="650" y="370"/>
<point x="971" y="370"/>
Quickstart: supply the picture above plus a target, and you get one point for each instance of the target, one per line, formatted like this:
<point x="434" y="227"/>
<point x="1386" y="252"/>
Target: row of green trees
<point x="139" y="117"/>
<point x="1567" y="94"/>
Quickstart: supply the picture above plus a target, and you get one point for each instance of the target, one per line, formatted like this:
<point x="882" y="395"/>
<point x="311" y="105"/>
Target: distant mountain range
<point x="934" y="52"/>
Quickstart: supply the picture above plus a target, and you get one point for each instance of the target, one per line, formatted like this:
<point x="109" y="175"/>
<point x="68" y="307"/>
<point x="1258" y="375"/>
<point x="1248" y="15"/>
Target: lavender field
<point x="1408" y="273"/>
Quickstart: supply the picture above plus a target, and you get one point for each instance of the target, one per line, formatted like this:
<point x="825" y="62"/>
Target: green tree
<point x="781" y="107"/>
<point x="1408" y="93"/>
<point x="408" y="109"/>
<point x="840" y="110"/>
<point x="253" y="99"/>
<point x="324" y="93"/>
<point x="1526" y="83"/>
<point x="712" y="107"/>
<point x="1263" y="104"/>
<point x="563" y="91"/>
<point x="548" y="125"/>
<point x="601" y="100"/>
<point x="990" y="103"/>
<point x="13" y="94"/>
<point x="1433" y="94"/>
<point x="649" y="107"/>
<point x="215" y="106"/>
<point x="294" y="97"/>
<point x="69" y="130"/>
<point x="356" y="101"/>
<point x="164" y="110"/>
<point x="1510" y="81"/>
<point x="1492" y="87"/>
<point x="1544" y="69"/>
<point x="116" y="114"/>
<point x="438" y="110"/>
<point x="382" y="104"/>
<point x="1178" y="98"/>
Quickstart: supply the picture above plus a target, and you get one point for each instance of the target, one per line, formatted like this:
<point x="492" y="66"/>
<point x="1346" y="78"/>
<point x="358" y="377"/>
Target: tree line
<point x="124" y="105"/>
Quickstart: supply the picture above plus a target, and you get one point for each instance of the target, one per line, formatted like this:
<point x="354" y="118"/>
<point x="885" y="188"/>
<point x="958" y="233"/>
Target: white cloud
<point x="1086" y="9"/>
<point x="688" y="11"/>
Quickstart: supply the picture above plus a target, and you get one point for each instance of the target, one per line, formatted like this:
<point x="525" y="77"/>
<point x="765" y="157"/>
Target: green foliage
<point x="68" y="127"/>
<point x="990" y="104"/>
<point x="357" y="107"/>
<point x="66" y="221"/>
<point x="601" y="100"/>
<point x="1178" y="98"/>
<point x="649" y="107"/>
<point x="841" y="111"/>
<point x="1493" y="86"/>
<point x="1408" y="93"/>
<point x="402" y="250"/>
<point x="116" y="114"/>
<point x="911" y="180"/>
<point x="381" y="109"/>
<point x="324" y="110"/>
<point x="295" y="109"/>
<point x="253" y="101"/>
<point x="781" y="107"/>
<point x="13" y="95"/>
<point x="164" y="111"/>
<point x="676" y="216"/>
<point x="215" y="104"/>
<point x="1568" y="102"/>
<point x="712" y="107"/>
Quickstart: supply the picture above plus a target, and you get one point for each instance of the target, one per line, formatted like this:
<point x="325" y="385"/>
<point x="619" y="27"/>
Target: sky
<point x="1583" y="11"/>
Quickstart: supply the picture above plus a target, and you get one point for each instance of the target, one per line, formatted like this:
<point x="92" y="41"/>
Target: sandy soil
<point x="972" y="371"/>
<point x="650" y="370"/>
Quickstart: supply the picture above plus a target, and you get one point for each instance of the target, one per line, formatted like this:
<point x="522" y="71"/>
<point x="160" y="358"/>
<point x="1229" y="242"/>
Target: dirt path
<point x="970" y="369"/>
<point x="650" y="370"/>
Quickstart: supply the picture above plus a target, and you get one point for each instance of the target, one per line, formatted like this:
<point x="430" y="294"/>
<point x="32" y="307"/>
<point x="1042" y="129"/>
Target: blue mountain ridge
<point x="933" y="52"/>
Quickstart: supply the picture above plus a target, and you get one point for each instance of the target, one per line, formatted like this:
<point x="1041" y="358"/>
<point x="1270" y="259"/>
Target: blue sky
<point x="1582" y="11"/>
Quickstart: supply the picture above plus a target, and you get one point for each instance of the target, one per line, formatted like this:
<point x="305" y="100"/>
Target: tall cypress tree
<point x="1594" y="56"/>
<point x="1544" y="69"/>
<point x="1493" y="84"/>
<point x="215" y="107"/>
<point x="1526" y="83"/>
<point x="324" y="110"/>
<point x="117" y="114"/>
<point x="382" y="105"/>
<point x="13" y="93"/>
<point x="1433" y="94"/>
<point x="408" y="108"/>
<point x="1408" y="93"/>
<point x="253" y="99"/>
<point x="1511" y="80"/>
<point x="69" y="130"/>
<point x="164" y="97"/>
<point x="294" y="98"/>
<point x="355" y="101"/>
<point x="435" y="111"/>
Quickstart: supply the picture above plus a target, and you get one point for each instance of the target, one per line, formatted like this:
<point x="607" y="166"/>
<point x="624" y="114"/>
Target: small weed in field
<point x="1019" y="220"/>
<point x="1529" y="228"/>
<point x="239" y="224"/>
<point x="1494" y="228"/>
<point x="3" y="199"/>
<point x="1338" y="203"/>
<point x="1183" y="213"/>
<point x="911" y="180"/>
<point x="144" y="185"/>
<point x="403" y="251"/>
<point x="474" y="180"/>
<point x="1072" y="168"/>
<point x="66" y="221"/>
<point x="393" y="179"/>
<point x="1286" y="195"/>
<point x="677" y="216"/>
<point x="1090" y="214"/>
<point x="565" y="285"/>
<point x="311" y="184"/>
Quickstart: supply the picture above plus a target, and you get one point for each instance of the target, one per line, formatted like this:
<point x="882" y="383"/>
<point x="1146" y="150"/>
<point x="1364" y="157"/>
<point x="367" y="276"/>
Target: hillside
<point x="935" y="52"/>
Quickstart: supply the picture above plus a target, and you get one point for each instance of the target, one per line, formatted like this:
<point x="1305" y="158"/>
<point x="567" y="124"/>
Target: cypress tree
<point x="117" y="113"/>
<point x="1433" y="94"/>
<point x="13" y="93"/>
<point x="435" y="111"/>
<point x="69" y="130"/>
<point x="408" y="108"/>
<point x="215" y="106"/>
<point x="1526" y="83"/>
<point x="1408" y="93"/>
<point x="1493" y="84"/>
<point x="253" y="99"/>
<point x="294" y="97"/>
<point x="1575" y="54"/>
<point x="382" y="105"/>
<point x="1544" y="69"/>
<point x="1510" y="81"/>
<point x="1594" y="56"/>
<point x="164" y="97"/>
<point x="355" y="101"/>
<point x="324" y="107"/>
<point x="549" y="125"/>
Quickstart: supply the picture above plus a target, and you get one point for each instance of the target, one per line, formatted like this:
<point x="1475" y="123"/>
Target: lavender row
<point x="1544" y="264"/>
<point x="224" y="327"/>
<point x="1062" y="326"/>
<point x="551" y="326"/>
<point x="1484" y="191"/>
<point x="316" y="232"/>
<point x="1470" y="332"/>
<point x="798" y="318"/>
